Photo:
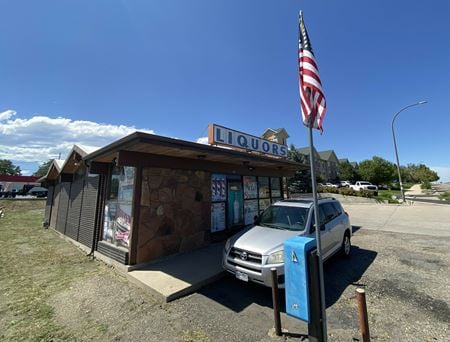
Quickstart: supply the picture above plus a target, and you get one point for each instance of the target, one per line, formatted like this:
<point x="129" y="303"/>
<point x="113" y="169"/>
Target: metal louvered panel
<point x="74" y="208"/>
<point x="48" y="204"/>
<point x="88" y="210"/>
<point x="63" y="206"/>
<point x="55" y="207"/>
<point x="113" y="252"/>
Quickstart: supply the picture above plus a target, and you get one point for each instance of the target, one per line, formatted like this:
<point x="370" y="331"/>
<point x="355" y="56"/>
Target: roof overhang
<point x="154" y="145"/>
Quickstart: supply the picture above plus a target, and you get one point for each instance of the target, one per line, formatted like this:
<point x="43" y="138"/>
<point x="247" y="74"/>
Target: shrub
<point x="426" y="185"/>
<point x="348" y="192"/>
<point x="345" y="191"/>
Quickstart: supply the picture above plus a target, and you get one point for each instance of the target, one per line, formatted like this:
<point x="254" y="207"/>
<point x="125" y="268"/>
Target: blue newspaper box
<point x="296" y="276"/>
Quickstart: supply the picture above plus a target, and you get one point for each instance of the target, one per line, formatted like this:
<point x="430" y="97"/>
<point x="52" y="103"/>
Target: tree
<point x="421" y="173"/>
<point x="8" y="168"/>
<point x="301" y="182"/>
<point x="377" y="170"/>
<point x="348" y="172"/>
<point x="43" y="168"/>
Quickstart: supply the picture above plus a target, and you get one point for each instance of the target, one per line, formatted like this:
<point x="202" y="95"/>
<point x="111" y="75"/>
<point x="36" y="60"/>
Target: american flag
<point x="311" y="92"/>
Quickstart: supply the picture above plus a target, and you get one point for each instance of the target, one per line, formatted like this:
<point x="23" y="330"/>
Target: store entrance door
<point x="235" y="204"/>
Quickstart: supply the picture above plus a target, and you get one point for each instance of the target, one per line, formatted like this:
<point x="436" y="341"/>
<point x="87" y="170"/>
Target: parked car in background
<point x="331" y="185"/>
<point x="250" y="254"/>
<point x="363" y="185"/>
<point x="38" y="191"/>
<point x="346" y="184"/>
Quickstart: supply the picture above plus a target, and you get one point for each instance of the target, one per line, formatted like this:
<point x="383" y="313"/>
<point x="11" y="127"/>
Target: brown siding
<point x="175" y="211"/>
<point x="48" y="204"/>
<point x="55" y="208"/>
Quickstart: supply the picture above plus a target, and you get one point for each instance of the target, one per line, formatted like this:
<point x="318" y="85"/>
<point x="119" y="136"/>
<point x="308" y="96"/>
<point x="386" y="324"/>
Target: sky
<point x="90" y="72"/>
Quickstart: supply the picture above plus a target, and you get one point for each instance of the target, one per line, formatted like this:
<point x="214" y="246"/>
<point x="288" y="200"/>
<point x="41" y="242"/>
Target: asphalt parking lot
<point x="406" y="277"/>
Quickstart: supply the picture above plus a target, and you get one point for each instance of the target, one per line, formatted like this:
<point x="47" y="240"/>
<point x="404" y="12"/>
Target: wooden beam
<point x="134" y="234"/>
<point x="99" y="168"/>
<point x="131" y="158"/>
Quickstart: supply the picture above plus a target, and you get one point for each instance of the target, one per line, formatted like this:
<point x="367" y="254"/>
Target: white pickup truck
<point x="362" y="185"/>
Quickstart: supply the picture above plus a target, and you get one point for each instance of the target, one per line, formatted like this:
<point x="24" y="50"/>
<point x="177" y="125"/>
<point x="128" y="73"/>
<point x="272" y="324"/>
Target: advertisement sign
<point x="118" y="208"/>
<point x="219" y="135"/>
<point x="250" y="187"/>
<point x="235" y="204"/>
<point x="250" y="211"/>
<point x="218" y="187"/>
<point x="217" y="217"/>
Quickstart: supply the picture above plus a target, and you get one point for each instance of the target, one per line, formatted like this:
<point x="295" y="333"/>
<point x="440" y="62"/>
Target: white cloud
<point x="203" y="140"/>
<point x="41" y="137"/>
<point x="7" y="114"/>
<point x="443" y="172"/>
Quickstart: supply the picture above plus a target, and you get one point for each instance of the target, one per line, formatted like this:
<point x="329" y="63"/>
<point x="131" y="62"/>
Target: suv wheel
<point x="346" y="245"/>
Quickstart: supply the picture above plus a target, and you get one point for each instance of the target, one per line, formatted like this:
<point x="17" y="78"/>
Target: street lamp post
<point x="395" y="145"/>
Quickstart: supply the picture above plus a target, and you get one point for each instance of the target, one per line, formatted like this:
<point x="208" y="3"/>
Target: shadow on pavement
<point x="339" y="274"/>
<point x="355" y="229"/>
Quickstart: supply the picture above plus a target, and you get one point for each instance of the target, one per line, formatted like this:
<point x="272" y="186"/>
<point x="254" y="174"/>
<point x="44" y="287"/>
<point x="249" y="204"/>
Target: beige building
<point x="327" y="163"/>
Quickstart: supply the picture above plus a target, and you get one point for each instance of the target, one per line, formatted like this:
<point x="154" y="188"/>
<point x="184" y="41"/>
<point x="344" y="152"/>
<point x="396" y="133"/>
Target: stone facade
<point x="175" y="212"/>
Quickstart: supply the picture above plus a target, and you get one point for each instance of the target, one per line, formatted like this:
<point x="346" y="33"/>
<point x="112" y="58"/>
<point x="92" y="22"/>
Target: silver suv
<point x="251" y="254"/>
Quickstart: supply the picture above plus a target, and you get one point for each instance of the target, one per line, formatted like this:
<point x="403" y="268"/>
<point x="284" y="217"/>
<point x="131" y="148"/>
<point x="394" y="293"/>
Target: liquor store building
<point x="146" y="196"/>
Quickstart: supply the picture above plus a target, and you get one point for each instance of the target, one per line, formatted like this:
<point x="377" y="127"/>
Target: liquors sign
<point x="219" y="135"/>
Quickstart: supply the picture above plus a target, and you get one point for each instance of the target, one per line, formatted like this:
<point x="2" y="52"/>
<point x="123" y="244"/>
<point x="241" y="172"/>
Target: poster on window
<point x="263" y="204"/>
<point x="263" y="187"/>
<point x="235" y="204"/>
<point x="250" y="211"/>
<point x="218" y="188"/>
<point x="217" y="217"/>
<point x="276" y="187"/>
<point x="119" y="206"/>
<point x="250" y="187"/>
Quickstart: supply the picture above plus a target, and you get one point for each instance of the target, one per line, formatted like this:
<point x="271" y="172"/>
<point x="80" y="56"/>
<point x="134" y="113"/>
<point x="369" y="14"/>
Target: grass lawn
<point x="50" y="291"/>
<point x="36" y="265"/>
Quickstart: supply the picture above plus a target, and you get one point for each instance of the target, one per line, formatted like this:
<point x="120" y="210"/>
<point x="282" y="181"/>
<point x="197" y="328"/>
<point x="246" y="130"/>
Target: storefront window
<point x="250" y="187"/>
<point x="275" y="186"/>
<point x="250" y="199"/>
<point x="263" y="185"/>
<point x="263" y="204"/>
<point x="236" y="200"/>
<point x="118" y="207"/>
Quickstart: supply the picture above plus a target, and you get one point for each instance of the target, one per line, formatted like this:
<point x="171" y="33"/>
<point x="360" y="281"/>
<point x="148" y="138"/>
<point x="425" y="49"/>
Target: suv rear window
<point x="337" y="207"/>
<point x="329" y="211"/>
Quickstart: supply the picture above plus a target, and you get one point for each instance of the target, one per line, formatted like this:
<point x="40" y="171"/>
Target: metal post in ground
<point x="362" y="315"/>
<point x="276" y="301"/>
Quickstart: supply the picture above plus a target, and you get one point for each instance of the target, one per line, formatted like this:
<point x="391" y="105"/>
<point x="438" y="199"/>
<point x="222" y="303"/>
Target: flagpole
<point x="318" y="240"/>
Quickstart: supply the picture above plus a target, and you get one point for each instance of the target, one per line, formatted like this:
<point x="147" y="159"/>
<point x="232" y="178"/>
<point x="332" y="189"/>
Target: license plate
<point x="241" y="276"/>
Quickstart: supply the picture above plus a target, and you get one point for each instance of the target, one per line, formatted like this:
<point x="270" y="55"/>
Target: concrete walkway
<point x="182" y="274"/>
<point x="426" y="219"/>
<point x="414" y="190"/>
